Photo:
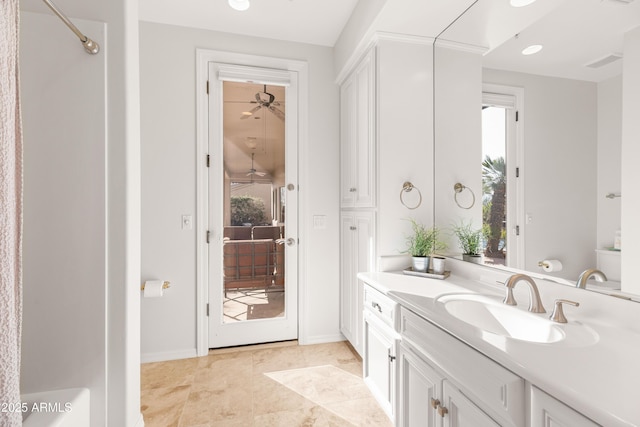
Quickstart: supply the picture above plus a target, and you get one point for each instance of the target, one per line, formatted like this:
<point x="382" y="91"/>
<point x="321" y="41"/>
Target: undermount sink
<point x="491" y="315"/>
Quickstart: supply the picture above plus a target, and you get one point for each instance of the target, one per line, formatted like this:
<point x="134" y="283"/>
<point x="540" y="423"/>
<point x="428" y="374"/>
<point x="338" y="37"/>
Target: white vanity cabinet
<point x="356" y="249"/>
<point x="357" y="136"/>
<point x="380" y="348"/>
<point x="448" y="383"/>
<point x="548" y="411"/>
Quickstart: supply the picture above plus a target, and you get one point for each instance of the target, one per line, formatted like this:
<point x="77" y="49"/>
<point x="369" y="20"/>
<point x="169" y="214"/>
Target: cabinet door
<point x="419" y="386"/>
<point x="357" y="254"/>
<point x="378" y="361"/>
<point x="547" y="411"/>
<point x="348" y="154"/>
<point x="462" y="412"/>
<point x="357" y="137"/>
<point x="348" y="283"/>
<point x="365" y="155"/>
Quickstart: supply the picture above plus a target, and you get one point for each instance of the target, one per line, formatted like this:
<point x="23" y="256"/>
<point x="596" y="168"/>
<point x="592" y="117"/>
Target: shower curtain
<point x="10" y="217"/>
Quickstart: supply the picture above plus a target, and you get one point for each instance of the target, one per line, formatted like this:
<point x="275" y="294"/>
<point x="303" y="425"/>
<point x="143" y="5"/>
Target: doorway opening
<point x="254" y="225"/>
<point x="502" y="181"/>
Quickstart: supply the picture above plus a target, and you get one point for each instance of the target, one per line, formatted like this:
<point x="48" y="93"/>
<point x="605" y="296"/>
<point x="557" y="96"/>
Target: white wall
<point x="609" y="159"/>
<point x="560" y="170"/>
<point x="81" y="247"/>
<point x="405" y="141"/>
<point x="630" y="156"/>
<point x="167" y="69"/>
<point x="458" y="139"/>
<point x="64" y="215"/>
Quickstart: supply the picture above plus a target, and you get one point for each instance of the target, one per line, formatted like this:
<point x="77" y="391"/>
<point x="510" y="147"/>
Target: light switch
<point x="320" y="222"/>
<point x="187" y="222"/>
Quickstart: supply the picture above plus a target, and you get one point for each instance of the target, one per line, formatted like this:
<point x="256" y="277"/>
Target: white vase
<point x="437" y="264"/>
<point x="420" y="263"/>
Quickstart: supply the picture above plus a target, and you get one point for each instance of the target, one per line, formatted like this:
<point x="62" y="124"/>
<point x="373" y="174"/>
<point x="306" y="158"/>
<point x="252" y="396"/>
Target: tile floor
<point x="261" y="386"/>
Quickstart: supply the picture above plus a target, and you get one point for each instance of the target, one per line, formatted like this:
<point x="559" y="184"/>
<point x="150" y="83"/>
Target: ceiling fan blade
<point x="260" y="173"/>
<point x="278" y="113"/>
<point x="253" y="110"/>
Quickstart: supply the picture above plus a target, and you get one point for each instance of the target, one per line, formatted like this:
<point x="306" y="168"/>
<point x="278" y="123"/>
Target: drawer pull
<point x="353" y="227"/>
<point x="352" y="190"/>
<point x="435" y="403"/>
<point x="376" y="305"/>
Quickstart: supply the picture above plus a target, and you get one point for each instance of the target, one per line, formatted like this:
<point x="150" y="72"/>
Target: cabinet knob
<point x="352" y="190"/>
<point x="442" y="411"/>
<point x="376" y="305"/>
<point x="435" y="403"/>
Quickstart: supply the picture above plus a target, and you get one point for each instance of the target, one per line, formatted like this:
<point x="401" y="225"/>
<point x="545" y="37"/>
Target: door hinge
<point x="517" y="172"/>
<point x="517" y="230"/>
<point x="207" y="309"/>
<point x="517" y="112"/>
<point x="208" y="160"/>
<point x="208" y="235"/>
<point x="207" y="87"/>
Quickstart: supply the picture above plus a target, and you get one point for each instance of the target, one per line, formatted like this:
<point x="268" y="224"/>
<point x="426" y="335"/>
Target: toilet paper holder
<point x="165" y="285"/>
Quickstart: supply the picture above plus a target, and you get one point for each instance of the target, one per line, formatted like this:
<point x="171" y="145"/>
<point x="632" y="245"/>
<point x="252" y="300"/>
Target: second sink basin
<point x="491" y="315"/>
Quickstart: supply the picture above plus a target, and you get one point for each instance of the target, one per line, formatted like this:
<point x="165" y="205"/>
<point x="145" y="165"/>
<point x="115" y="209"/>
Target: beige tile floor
<point x="262" y="386"/>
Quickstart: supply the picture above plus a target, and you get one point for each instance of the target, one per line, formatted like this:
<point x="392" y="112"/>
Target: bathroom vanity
<point x="433" y="357"/>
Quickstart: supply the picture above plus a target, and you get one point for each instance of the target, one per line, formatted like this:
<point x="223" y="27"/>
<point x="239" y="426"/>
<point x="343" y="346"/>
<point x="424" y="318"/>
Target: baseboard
<point x="168" y="355"/>
<point x="140" y="422"/>
<point x="321" y="339"/>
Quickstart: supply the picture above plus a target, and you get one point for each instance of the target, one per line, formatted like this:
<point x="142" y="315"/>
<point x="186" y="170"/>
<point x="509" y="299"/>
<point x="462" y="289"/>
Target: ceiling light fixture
<point x="535" y="48"/>
<point x="521" y="3"/>
<point x="239" y="4"/>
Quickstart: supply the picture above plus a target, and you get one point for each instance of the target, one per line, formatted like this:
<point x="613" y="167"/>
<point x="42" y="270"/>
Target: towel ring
<point x="459" y="188"/>
<point x="406" y="188"/>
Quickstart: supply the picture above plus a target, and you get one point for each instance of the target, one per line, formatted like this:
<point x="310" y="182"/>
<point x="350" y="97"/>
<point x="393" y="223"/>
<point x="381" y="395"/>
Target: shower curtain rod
<point x="89" y="45"/>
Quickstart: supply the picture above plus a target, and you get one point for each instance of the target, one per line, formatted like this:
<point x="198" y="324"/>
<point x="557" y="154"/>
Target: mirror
<point x="557" y="116"/>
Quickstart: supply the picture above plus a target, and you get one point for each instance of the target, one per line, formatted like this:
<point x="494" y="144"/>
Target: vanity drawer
<point x="383" y="307"/>
<point x="500" y="391"/>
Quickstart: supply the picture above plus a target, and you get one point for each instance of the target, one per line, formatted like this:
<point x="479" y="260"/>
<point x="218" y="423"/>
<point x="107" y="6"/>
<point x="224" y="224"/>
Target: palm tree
<point x="494" y="180"/>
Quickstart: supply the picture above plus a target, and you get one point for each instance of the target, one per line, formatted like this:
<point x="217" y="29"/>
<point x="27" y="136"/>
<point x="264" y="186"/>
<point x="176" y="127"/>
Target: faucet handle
<point x="558" y="312"/>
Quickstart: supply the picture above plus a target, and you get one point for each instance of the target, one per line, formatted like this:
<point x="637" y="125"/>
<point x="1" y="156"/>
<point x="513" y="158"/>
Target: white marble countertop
<point x="598" y="377"/>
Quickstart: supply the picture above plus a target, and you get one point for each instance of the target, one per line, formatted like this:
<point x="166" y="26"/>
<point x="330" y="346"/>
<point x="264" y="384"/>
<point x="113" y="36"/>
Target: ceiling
<point x="318" y="22"/>
<point x="573" y="32"/>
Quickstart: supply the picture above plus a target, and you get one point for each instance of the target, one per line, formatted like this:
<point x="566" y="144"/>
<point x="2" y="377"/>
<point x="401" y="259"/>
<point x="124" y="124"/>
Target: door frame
<point x="203" y="58"/>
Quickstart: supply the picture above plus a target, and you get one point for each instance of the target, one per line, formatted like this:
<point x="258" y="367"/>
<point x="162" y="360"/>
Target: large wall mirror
<point x="531" y="161"/>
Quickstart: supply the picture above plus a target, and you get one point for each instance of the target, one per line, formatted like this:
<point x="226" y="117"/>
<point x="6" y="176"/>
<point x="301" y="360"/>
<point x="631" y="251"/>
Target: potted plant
<point x="421" y="244"/>
<point x="470" y="241"/>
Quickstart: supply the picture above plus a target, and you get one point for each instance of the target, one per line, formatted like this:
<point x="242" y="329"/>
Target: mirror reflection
<point x="542" y="151"/>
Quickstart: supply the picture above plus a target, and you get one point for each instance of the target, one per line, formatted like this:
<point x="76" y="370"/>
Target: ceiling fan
<point x="253" y="170"/>
<point x="265" y="100"/>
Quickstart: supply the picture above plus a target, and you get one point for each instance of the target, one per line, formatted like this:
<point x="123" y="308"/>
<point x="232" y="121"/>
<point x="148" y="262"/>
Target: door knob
<point x="291" y="241"/>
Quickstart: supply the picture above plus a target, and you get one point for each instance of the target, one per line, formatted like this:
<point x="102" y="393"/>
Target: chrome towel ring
<point x="407" y="187"/>
<point x="459" y="188"/>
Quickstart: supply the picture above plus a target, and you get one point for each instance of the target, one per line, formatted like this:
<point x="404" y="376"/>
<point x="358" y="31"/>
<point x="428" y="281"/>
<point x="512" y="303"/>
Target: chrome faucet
<point x="588" y="274"/>
<point x="535" y="304"/>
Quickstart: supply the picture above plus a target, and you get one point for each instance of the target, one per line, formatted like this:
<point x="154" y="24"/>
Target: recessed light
<point x="239" y="4"/>
<point x="535" y="48"/>
<point x="520" y="3"/>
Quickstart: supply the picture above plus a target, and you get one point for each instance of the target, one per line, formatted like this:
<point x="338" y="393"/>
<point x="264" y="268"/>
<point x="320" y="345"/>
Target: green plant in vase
<point x="421" y="244"/>
<point x="470" y="241"/>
